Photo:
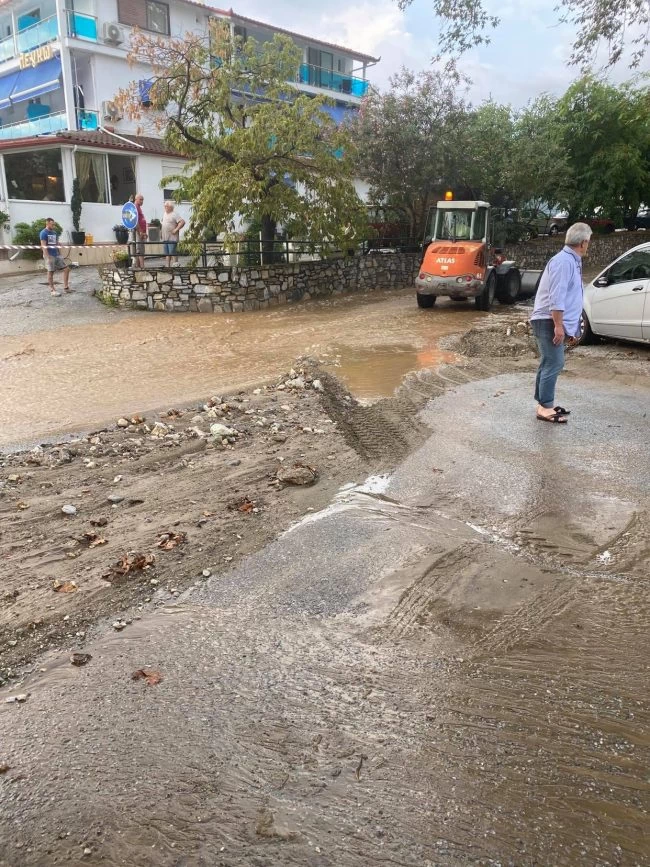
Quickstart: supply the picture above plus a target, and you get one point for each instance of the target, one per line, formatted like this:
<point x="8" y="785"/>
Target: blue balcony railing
<point x="7" y="49"/>
<point x="81" y="26"/>
<point x="38" y="126"/>
<point x="317" y="76"/>
<point x="37" y="34"/>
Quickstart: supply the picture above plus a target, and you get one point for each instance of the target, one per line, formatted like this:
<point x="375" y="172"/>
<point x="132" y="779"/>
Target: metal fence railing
<point x="253" y="252"/>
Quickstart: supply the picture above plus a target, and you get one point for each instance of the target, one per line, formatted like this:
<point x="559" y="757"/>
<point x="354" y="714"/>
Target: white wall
<point x="97" y="219"/>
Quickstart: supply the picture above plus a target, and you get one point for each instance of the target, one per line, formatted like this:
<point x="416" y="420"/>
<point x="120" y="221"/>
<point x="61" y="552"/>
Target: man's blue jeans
<point x="551" y="362"/>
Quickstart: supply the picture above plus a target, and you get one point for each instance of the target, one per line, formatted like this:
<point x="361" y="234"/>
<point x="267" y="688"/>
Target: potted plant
<point x="121" y="233"/>
<point x="76" y="202"/>
<point x="121" y="259"/>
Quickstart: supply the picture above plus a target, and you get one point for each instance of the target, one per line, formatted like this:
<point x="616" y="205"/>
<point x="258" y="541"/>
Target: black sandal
<point x="556" y="418"/>
<point x="560" y="410"/>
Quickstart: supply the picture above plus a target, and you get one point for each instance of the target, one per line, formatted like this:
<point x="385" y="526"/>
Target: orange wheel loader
<point x="459" y="261"/>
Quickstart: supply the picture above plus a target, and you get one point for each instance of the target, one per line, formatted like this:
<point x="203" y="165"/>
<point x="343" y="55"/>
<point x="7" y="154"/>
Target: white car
<point x="617" y="302"/>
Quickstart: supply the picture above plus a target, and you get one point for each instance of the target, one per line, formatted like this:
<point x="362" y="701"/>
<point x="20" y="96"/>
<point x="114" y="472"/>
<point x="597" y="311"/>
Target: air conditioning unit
<point x="110" y="111"/>
<point x="113" y="33"/>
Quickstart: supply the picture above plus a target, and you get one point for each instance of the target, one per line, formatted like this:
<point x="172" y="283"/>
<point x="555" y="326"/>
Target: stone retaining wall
<point x="602" y="250"/>
<point x="210" y="290"/>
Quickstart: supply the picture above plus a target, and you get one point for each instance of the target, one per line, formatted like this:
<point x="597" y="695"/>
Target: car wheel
<point x="609" y="228"/>
<point x="508" y="286"/>
<point x="554" y="230"/>
<point x="486" y="299"/>
<point x="425" y="301"/>
<point x="587" y="336"/>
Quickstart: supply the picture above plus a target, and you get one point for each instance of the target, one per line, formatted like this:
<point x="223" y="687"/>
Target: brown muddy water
<point x="71" y="377"/>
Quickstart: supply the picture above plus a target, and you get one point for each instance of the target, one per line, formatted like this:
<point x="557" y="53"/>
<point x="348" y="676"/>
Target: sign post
<point x="129" y="216"/>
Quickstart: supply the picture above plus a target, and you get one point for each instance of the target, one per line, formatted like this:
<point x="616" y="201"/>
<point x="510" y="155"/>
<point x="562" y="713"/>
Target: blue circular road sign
<point x="129" y="216"/>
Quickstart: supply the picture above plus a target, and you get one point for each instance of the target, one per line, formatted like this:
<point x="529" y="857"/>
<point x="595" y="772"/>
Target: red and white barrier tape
<point x="106" y="245"/>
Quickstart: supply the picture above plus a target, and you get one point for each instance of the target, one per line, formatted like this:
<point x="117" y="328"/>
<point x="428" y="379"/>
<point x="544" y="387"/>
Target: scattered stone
<point x="80" y="659"/>
<point x="21" y="698"/>
<point x="69" y="509"/>
<point x="115" y="499"/>
<point x="119" y="625"/>
<point x="4" y="767"/>
<point x="219" y="431"/>
<point x="123" y="422"/>
<point x="318" y="385"/>
<point x="234" y="463"/>
<point x="206" y="573"/>
<point x="64" y="586"/>
<point x="87" y="852"/>
<point x="298" y="474"/>
<point x="160" y="430"/>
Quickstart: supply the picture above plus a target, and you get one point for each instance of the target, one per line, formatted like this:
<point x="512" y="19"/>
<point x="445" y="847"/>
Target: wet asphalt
<point x="429" y="672"/>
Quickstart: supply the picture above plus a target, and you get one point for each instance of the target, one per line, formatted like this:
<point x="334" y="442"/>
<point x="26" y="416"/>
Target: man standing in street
<point x="52" y="256"/>
<point x="140" y="232"/>
<point x="556" y="318"/>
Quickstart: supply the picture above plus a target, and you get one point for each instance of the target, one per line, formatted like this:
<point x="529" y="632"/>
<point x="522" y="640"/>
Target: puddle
<point x="377" y="372"/>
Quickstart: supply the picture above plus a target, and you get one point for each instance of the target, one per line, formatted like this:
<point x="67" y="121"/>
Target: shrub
<point x="4" y="218"/>
<point x="76" y="203"/>
<point x="28" y="233"/>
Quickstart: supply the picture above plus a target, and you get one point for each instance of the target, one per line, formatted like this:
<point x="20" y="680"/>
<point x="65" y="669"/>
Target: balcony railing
<point x="81" y="26"/>
<point x="7" y="49"/>
<point x="49" y="123"/>
<point x="317" y="76"/>
<point x="37" y="34"/>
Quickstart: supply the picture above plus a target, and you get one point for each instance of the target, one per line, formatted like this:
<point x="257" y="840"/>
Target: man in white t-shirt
<point x="171" y="227"/>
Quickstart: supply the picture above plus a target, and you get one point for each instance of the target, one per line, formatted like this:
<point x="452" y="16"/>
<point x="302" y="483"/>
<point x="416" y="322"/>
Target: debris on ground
<point x="151" y="677"/>
<point x="64" y="586"/>
<point x="243" y="504"/>
<point x="92" y="540"/>
<point x="69" y="509"/>
<point x="21" y="698"/>
<point x="169" y="541"/>
<point x="129" y="563"/>
<point x="298" y="474"/>
<point x="80" y="659"/>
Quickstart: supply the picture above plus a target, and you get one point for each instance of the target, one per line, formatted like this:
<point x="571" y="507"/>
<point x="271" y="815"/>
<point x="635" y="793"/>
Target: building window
<point x="121" y="173"/>
<point x="36" y="176"/>
<point x="158" y="17"/>
<point x="91" y="171"/>
<point x="240" y="32"/>
<point x="171" y="187"/>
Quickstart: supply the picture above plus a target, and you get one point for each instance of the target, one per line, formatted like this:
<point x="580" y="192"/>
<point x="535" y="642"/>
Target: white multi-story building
<point x="61" y="63"/>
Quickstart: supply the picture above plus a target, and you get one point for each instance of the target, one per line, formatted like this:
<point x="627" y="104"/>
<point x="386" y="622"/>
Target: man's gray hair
<point x="577" y="233"/>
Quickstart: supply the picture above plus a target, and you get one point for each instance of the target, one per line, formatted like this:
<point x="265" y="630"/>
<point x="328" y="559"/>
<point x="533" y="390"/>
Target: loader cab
<point x="458" y="221"/>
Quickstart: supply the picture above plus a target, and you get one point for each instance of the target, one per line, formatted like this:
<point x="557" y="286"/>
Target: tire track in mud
<point x="386" y="432"/>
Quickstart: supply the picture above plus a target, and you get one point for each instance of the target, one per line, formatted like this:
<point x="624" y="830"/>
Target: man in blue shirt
<point x="556" y="318"/>
<point x="52" y="256"/>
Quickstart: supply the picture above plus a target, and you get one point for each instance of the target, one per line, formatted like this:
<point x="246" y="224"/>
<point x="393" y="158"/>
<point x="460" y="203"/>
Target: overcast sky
<point x="527" y="56"/>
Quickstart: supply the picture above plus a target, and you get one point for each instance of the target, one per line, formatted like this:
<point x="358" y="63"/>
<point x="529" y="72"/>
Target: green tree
<point x="257" y="146"/>
<point x="540" y="171"/>
<point x="621" y="25"/>
<point x="483" y="153"/>
<point x="404" y="141"/>
<point x="606" y="132"/>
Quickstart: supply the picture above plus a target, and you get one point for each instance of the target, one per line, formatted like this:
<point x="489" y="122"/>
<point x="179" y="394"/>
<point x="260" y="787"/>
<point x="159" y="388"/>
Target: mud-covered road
<point x="444" y="665"/>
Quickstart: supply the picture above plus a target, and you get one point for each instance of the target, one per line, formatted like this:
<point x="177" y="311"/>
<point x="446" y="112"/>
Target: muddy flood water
<point x="65" y="378"/>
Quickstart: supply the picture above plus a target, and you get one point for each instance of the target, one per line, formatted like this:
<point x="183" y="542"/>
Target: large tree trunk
<point x="268" y="237"/>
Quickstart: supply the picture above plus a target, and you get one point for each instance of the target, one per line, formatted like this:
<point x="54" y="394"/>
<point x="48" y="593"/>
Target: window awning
<point x="37" y="80"/>
<point x="7" y="83"/>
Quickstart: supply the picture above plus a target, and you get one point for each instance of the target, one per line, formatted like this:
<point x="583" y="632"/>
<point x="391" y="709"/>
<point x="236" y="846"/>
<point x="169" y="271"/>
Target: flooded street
<point x="132" y="362"/>
<point x="434" y="656"/>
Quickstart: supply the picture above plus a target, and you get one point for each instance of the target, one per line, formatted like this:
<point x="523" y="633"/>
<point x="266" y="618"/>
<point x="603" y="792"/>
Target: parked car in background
<point x="544" y="223"/>
<point x="617" y="302"/>
<point x="641" y="221"/>
<point x="601" y="225"/>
